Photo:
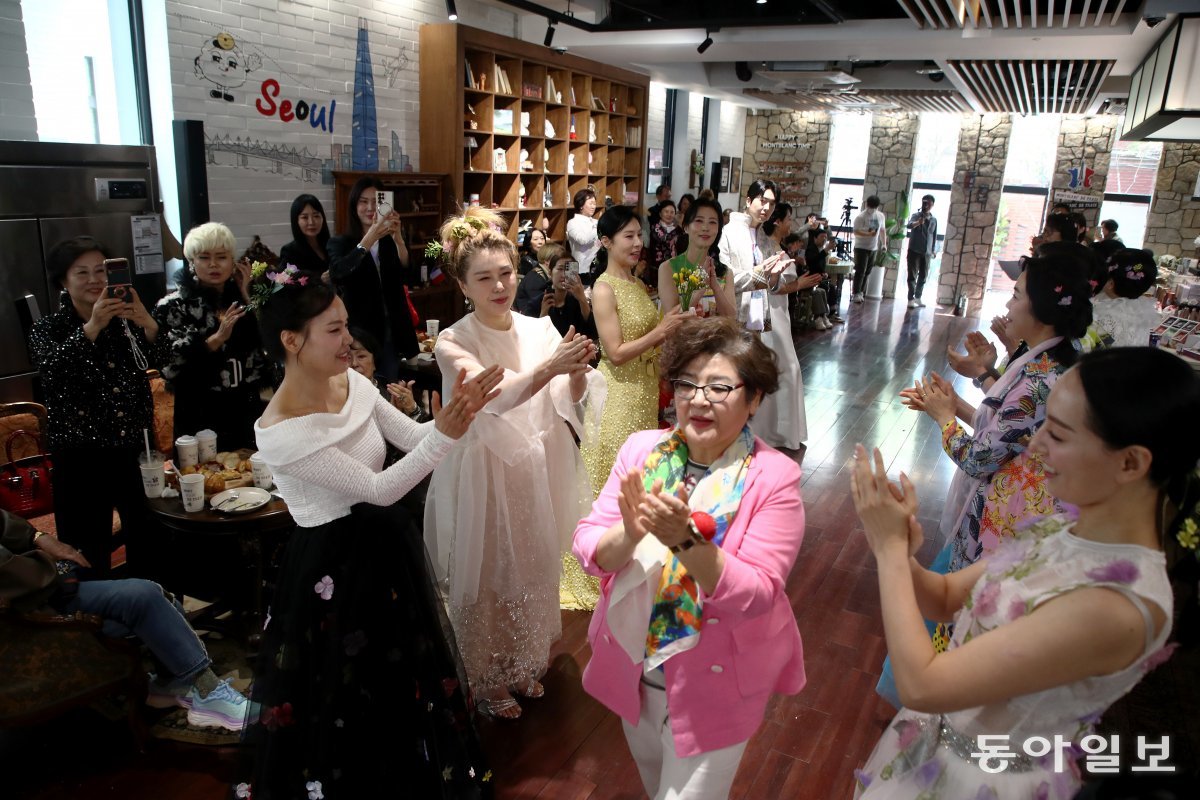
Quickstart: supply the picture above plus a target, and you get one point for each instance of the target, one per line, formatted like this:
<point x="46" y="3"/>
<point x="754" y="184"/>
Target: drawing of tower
<point x="364" y="132"/>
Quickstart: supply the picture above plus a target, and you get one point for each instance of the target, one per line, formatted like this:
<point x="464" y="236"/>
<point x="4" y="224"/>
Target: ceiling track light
<point x="549" y="40"/>
<point x="451" y="11"/>
<point x="707" y="43"/>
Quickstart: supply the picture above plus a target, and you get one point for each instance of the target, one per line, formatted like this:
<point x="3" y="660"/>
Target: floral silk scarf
<point x="677" y="612"/>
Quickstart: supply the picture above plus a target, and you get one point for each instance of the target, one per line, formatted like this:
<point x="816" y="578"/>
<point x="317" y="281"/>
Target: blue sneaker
<point x="159" y="695"/>
<point x="225" y="707"/>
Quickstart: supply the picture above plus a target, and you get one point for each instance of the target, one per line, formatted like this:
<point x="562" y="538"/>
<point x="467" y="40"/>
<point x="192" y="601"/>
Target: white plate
<point x="425" y="356"/>
<point x="248" y="499"/>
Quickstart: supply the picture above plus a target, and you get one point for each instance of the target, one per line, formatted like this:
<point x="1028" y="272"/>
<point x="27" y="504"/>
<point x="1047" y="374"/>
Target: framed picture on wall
<point x="723" y="181"/>
<point x="735" y="175"/>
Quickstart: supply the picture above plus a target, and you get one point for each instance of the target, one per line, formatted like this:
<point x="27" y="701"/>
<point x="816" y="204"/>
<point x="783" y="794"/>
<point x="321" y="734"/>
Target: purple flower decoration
<point x="354" y="642"/>
<point x="1010" y="553"/>
<point x="1092" y="718"/>
<point x="986" y="793"/>
<point x="864" y="778"/>
<point x="1066" y="301"/>
<point x="1016" y="609"/>
<point x="908" y="732"/>
<point x="324" y="587"/>
<point x="928" y="773"/>
<point x="1119" y="571"/>
<point x="1043" y="791"/>
<point x="1159" y="656"/>
<point x="985" y="603"/>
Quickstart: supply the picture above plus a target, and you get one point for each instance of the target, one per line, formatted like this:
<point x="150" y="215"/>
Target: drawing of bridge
<point x="279" y="158"/>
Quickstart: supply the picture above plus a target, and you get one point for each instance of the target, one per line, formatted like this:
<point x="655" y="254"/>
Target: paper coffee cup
<point x="262" y="473"/>
<point x="431" y="327"/>
<point x="207" y="442"/>
<point x="191" y="488"/>
<point x="188" y="452"/>
<point x="153" y="477"/>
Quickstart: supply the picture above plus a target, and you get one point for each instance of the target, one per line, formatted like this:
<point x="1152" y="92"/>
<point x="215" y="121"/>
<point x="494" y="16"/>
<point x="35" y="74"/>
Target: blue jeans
<point x="136" y="607"/>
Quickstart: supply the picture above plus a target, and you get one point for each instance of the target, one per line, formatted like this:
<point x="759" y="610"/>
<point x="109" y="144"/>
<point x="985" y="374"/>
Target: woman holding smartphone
<point x="217" y="368"/>
<point x="566" y="302"/>
<point x="372" y="268"/>
<point x="92" y="355"/>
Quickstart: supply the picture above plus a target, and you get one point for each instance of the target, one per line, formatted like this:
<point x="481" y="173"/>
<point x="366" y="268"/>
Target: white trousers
<point x="666" y="776"/>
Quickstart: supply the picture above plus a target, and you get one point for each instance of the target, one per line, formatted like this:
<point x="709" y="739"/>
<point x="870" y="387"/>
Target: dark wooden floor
<point x="567" y="747"/>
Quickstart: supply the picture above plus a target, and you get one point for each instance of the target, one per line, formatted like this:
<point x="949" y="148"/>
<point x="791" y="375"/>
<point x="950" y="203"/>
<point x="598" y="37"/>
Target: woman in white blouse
<point x="355" y="632"/>
<point x="582" y="235"/>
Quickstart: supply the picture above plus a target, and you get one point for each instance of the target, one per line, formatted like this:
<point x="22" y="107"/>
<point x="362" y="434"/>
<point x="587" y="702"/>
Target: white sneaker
<point x="920" y="304"/>
<point x="858" y="298"/>
<point x="914" y="303"/>
<point x="822" y="324"/>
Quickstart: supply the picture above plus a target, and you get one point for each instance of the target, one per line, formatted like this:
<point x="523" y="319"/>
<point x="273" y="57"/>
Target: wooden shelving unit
<point x="488" y="99"/>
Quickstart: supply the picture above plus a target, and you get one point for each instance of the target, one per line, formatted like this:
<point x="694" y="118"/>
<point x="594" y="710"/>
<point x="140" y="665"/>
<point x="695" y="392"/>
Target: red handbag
<point x="25" y="487"/>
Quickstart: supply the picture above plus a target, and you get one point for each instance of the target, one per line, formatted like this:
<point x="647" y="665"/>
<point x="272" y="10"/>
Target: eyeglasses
<point x="713" y="392"/>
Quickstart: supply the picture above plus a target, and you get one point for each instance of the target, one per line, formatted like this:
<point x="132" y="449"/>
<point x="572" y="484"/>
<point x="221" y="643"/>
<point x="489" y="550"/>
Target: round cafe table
<point x="255" y="533"/>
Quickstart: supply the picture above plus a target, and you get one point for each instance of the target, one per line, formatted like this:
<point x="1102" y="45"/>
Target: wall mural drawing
<point x="223" y="64"/>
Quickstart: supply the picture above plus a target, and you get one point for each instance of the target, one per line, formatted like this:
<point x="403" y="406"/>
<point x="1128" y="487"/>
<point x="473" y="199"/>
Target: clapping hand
<point x="573" y="354"/>
<point x="1000" y="328"/>
<point x="469" y="396"/>
<point x="888" y="512"/>
<point x="402" y="396"/>
<point x="633" y="490"/>
<point x="242" y="276"/>
<point x="934" y="396"/>
<point x="776" y="264"/>
<point x="665" y="516"/>
<point x="980" y="356"/>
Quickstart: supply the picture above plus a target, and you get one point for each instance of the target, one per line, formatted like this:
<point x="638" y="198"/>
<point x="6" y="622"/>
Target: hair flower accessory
<point x="267" y="283"/>
<point x="1066" y="301"/>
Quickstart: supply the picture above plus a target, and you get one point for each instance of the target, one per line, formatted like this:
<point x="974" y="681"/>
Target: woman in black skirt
<point x="359" y="688"/>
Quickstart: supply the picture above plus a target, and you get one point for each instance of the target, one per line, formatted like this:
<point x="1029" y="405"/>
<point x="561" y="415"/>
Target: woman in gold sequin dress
<point x="630" y="335"/>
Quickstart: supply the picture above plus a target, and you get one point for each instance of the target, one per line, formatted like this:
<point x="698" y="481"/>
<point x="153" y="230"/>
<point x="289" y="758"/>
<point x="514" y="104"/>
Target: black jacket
<point x="96" y="396"/>
<point x="530" y="291"/>
<point x="375" y="297"/>
<point x="28" y="577"/>
<point x="303" y="256"/>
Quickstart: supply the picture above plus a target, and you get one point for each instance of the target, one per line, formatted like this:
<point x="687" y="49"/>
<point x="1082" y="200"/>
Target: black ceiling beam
<point x="712" y="24"/>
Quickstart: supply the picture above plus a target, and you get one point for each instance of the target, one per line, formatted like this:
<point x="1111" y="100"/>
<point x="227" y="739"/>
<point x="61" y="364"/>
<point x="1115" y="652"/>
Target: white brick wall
<point x="732" y="141"/>
<point x="309" y="47"/>
<point x="17" y="118"/>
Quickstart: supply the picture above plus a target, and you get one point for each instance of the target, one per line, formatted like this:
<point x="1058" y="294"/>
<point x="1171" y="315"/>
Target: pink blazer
<point x="717" y="692"/>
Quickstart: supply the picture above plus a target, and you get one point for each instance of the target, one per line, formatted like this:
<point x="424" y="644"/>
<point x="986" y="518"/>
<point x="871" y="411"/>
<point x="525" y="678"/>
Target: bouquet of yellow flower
<point x="687" y="281"/>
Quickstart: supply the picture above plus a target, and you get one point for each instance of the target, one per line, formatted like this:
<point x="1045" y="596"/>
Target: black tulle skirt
<point x="359" y="687"/>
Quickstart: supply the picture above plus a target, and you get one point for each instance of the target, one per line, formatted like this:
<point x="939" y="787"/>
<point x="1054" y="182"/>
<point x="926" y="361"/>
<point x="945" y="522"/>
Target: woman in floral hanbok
<point x="1064" y="618"/>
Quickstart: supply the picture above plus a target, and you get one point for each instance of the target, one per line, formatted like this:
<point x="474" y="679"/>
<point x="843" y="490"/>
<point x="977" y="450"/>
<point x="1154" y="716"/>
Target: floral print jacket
<point x="1014" y="486"/>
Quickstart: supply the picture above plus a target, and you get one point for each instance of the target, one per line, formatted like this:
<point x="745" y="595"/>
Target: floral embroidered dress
<point x="928" y="756"/>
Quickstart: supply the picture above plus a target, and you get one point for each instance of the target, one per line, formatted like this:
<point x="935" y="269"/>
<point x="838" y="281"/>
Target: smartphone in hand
<point x="120" y="284"/>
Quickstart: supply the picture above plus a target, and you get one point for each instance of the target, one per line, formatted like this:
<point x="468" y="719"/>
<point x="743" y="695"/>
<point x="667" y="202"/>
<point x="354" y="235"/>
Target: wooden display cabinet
<point x="420" y="200"/>
<point x="521" y="129"/>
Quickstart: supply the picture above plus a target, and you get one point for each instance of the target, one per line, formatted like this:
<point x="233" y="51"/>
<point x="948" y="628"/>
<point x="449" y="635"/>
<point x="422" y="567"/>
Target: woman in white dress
<point x="502" y="506"/>
<point x="762" y="276"/>
<point x="582" y="235"/>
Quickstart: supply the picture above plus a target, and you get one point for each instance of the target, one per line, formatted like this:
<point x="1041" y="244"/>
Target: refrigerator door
<point x="21" y="275"/>
<point x="115" y="231"/>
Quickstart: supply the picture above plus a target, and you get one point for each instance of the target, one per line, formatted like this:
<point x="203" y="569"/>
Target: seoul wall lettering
<point x="301" y="110"/>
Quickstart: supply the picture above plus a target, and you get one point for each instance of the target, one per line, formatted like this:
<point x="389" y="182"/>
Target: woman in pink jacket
<point x="693" y="538"/>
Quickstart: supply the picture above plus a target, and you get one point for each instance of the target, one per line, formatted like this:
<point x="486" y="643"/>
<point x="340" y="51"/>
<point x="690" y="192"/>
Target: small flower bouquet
<point x="687" y="281"/>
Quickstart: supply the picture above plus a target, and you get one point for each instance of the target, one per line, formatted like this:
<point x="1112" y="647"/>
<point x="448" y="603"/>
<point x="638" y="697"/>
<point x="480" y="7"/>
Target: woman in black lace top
<point x="217" y="369"/>
<point x="92" y="355"/>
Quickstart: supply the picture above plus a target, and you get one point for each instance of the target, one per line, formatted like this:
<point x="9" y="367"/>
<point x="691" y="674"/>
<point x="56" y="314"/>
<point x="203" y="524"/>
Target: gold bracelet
<point x="37" y="535"/>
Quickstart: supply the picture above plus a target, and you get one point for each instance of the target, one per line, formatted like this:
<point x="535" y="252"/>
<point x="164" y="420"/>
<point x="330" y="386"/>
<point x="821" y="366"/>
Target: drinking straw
<point x="146" y="436"/>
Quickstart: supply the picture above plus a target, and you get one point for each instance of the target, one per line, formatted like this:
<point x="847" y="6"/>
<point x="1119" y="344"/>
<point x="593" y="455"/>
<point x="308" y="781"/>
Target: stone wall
<point x="1174" y="220"/>
<point x="792" y="149"/>
<point x="971" y="227"/>
<point x="1084" y="143"/>
<point x="889" y="175"/>
<point x="17" y="119"/>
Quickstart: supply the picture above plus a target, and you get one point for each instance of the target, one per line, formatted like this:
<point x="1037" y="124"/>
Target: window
<point x="936" y="149"/>
<point x="81" y="71"/>
<point x="1132" y="170"/>
<point x="1028" y="172"/>
<point x="849" y="140"/>
<point x="1031" y="150"/>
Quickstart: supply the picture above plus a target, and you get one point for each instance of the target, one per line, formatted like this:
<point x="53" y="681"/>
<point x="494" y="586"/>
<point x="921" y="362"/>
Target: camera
<point x="849" y="204"/>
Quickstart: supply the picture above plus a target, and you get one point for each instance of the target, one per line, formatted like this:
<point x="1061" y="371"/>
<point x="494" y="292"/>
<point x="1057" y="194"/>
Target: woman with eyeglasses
<point x="693" y="537"/>
<point x="372" y="269"/>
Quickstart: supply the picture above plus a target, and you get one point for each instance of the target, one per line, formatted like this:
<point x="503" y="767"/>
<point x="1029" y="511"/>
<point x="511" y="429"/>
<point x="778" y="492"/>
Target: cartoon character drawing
<point x="222" y="63"/>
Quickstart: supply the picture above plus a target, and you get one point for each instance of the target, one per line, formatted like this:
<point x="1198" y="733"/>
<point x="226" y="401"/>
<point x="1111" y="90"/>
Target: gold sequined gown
<point x="631" y="406"/>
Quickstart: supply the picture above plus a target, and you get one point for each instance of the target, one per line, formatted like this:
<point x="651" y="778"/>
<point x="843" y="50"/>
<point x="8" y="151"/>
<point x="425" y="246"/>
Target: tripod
<point x="843" y="246"/>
